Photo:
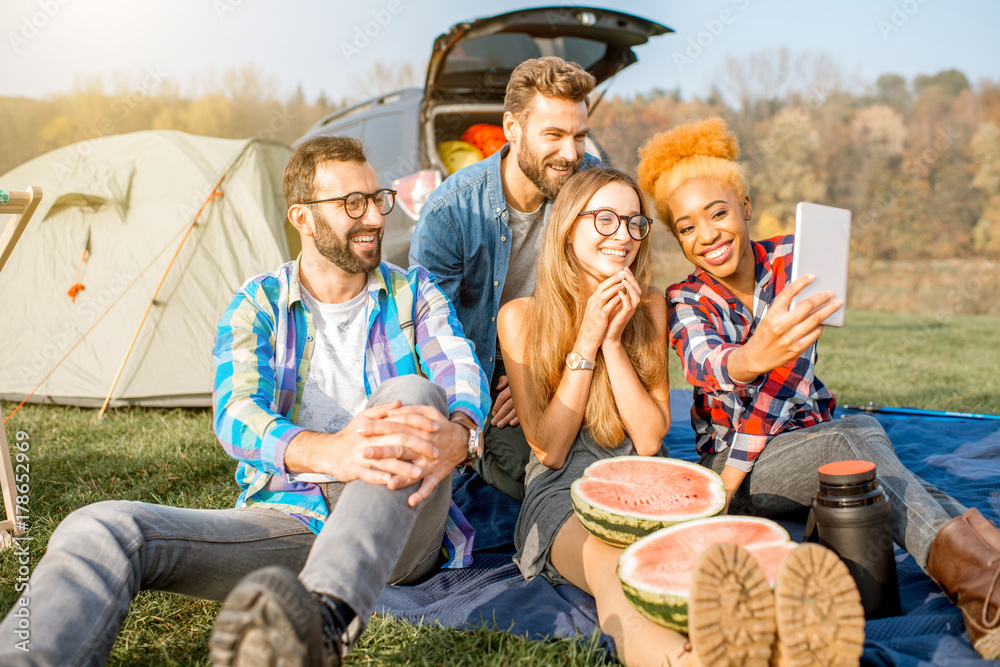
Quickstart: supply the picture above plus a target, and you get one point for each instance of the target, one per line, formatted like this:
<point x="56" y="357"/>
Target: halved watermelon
<point x="620" y="499"/>
<point x="656" y="570"/>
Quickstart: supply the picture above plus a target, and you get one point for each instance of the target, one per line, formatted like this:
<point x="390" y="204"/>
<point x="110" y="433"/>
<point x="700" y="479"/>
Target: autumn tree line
<point x="917" y="161"/>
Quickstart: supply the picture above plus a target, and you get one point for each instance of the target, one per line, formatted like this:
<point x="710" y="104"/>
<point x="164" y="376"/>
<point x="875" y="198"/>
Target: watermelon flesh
<point x="656" y="570"/>
<point x="769" y="557"/>
<point x="619" y="500"/>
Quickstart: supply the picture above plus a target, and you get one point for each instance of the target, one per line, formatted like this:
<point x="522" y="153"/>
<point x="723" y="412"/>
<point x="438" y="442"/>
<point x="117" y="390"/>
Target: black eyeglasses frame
<point x="364" y="209"/>
<point x="627" y="219"/>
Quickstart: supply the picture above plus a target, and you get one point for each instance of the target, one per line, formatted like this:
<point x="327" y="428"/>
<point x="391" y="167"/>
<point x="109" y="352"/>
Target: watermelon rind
<point x="620" y="527"/>
<point x="668" y="607"/>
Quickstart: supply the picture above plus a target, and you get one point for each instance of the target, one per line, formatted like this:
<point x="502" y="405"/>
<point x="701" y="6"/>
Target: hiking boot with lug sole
<point x="730" y="609"/>
<point x="821" y="621"/>
<point x="270" y="620"/>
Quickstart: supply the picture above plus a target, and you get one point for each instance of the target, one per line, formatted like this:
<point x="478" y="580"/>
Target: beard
<point x="533" y="167"/>
<point x="339" y="250"/>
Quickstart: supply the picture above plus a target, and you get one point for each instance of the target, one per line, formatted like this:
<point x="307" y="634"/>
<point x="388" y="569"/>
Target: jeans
<point x="784" y="479"/>
<point x="102" y="555"/>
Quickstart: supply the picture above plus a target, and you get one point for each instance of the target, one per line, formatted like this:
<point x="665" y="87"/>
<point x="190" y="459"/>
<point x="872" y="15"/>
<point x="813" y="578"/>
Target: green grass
<point x="172" y="457"/>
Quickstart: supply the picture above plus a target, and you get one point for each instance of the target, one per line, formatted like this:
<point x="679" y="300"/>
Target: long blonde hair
<point x="556" y="314"/>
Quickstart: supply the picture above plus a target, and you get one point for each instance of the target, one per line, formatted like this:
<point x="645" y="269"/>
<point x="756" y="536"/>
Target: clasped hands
<point x="389" y="444"/>
<point x="608" y="310"/>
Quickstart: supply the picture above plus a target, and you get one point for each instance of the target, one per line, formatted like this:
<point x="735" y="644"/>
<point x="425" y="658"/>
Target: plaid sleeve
<point x="703" y="351"/>
<point x="774" y="403"/>
<point x="246" y="424"/>
<point x="446" y="356"/>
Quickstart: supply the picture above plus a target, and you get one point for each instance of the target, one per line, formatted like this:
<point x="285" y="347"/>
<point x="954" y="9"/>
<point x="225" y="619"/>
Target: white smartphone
<point x="822" y="247"/>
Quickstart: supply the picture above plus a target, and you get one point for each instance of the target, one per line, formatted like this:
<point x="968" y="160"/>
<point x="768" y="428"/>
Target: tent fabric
<point x="127" y="199"/>
<point x="961" y="457"/>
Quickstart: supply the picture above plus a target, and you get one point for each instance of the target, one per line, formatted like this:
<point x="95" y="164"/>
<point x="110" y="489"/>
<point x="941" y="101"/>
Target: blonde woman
<point x="584" y="359"/>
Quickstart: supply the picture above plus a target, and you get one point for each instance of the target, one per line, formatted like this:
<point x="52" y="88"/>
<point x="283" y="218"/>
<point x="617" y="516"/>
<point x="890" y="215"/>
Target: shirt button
<point x="494" y="319"/>
<point x="298" y="378"/>
<point x="309" y="338"/>
<point x="496" y="283"/>
<point x="503" y="238"/>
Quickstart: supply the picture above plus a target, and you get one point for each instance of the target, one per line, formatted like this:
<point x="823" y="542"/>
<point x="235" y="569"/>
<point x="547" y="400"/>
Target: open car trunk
<point x="447" y="122"/>
<point x="471" y="64"/>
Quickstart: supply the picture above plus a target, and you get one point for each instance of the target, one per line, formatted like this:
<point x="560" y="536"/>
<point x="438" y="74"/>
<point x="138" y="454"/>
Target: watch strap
<point x="576" y="362"/>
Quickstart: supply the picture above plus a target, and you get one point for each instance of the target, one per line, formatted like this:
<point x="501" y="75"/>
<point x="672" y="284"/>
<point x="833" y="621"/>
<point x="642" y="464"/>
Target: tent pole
<point x="216" y="192"/>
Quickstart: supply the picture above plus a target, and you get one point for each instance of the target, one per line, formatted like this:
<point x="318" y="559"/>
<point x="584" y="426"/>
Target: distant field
<point x="170" y="456"/>
<point x="917" y="361"/>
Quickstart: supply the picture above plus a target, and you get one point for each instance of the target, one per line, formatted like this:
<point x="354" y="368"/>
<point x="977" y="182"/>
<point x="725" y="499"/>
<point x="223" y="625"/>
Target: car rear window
<point x="384" y="140"/>
<point x="502" y="52"/>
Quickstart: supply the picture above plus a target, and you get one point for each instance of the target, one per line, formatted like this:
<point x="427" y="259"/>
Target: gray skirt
<point x="547" y="504"/>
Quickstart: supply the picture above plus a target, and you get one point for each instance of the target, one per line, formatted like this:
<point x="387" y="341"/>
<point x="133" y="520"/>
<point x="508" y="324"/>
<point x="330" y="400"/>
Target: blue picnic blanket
<point x="959" y="456"/>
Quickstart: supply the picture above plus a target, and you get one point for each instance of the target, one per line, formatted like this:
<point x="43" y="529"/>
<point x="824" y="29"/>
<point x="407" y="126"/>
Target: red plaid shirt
<point x="707" y="322"/>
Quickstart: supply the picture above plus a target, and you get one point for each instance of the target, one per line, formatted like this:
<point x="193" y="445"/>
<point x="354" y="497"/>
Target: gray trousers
<point x="102" y="555"/>
<point x="784" y="479"/>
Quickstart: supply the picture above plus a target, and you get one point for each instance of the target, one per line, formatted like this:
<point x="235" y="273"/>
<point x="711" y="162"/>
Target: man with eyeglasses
<point x="347" y="392"/>
<point x="480" y="233"/>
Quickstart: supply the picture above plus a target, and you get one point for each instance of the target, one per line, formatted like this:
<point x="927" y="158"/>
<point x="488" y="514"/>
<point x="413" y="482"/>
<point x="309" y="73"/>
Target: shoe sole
<point x="261" y="621"/>
<point x="730" y="609"/>
<point x="820" y="619"/>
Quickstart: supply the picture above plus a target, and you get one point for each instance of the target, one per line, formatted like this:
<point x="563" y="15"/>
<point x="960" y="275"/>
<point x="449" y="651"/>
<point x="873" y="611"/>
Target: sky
<point x="49" y="46"/>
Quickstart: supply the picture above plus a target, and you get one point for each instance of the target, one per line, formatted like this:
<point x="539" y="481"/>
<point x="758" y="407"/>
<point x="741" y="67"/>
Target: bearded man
<point x="347" y="392"/>
<point x="480" y="233"/>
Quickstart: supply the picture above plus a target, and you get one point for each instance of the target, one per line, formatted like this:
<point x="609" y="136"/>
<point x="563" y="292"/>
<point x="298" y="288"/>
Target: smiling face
<point x="549" y="141"/>
<point x="710" y="224"/>
<point x="601" y="257"/>
<point x="355" y="246"/>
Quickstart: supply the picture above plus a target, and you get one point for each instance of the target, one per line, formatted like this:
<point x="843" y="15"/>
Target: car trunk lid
<point x="474" y="60"/>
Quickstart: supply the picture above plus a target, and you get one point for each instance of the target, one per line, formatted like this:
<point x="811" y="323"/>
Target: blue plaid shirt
<point x="263" y="347"/>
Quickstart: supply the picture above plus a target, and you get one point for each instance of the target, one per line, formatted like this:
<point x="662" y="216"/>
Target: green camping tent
<point x="114" y="213"/>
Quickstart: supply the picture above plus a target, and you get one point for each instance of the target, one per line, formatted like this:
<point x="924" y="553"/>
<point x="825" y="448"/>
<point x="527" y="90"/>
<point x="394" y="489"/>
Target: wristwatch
<point x="476" y="446"/>
<point x="575" y="362"/>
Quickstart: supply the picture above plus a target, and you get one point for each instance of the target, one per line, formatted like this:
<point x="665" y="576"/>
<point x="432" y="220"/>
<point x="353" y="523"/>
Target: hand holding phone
<point x="822" y="247"/>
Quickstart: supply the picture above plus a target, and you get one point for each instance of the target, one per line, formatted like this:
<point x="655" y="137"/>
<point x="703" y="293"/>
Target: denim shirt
<point x="463" y="239"/>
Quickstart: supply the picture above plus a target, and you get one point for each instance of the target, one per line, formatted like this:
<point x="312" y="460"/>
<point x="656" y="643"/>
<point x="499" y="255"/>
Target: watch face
<point x="573" y="361"/>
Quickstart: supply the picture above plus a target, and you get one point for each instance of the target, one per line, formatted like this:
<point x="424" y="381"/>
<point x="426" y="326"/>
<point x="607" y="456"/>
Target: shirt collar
<point x="377" y="282"/>
<point x="763" y="274"/>
<point x="294" y="289"/>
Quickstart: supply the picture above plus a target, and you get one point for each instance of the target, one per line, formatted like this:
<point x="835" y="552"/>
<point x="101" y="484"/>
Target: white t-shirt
<point x="335" y="384"/>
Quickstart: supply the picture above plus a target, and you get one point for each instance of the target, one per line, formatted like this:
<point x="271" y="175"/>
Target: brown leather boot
<point x="965" y="562"/>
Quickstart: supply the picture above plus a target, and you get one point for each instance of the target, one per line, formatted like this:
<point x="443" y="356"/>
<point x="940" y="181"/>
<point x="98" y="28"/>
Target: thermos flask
<point x="850" y="515"/>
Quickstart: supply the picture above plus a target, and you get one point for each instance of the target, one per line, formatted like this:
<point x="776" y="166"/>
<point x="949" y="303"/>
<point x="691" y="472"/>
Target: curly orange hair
<point x="699" y="149"/>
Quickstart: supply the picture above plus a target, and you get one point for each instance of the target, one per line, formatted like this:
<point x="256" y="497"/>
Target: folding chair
<point x="22" y="205"/>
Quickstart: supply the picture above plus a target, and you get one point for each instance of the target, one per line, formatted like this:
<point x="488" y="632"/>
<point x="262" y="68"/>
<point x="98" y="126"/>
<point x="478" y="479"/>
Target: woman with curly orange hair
<point x="761" y="416"/>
